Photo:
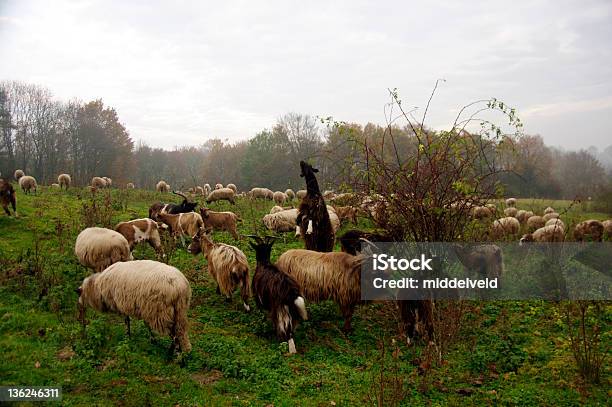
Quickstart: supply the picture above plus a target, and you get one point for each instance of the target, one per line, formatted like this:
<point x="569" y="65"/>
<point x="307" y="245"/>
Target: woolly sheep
<point x="162" y="186"/>
<point x="109" y="182"/>
<point x="232" y="187"/>
<point x="535" y="222"/>
<point x="550" y="233"/>
<point x="218" y="186"/>
<point x="522" y="216"/>
<point x="155" y="292"/>
<point x="227" y="265"/>
<point x="492" y="207"/>
<point x="18" y="174"/>
<point x="511" y="202"/>
<point x="55" y="185"/>
<point x="98" y="248"/>
<point x="279" y="197"/>
<point x="555" y="221"/>
<point x="199" y="191"/>
<point x="549" y="210"/>
<point x="290" y="194"/>
<point x="258" y="193"/>
<point x="505" y="226"/>
<point x="481" y="212"/>
<point x="140" y="230"/>
<point x="282" y="221"/>
<point x="223" y="194"/>
<point x="207" y="189"/>
<point x="300" y="194"/>
<point x="589" y="230"/>
<point x="550" y="215"/>
<point x="329" y="194"/>
<point x="276" y="209"/>
<point x="27" y="184"/>
<point x="64" y="180"/>
<point x="511" y="212"/>
<point x="98" y="182"/>
<point x="221" y="221"/>
<point x="326" y="276"/>
<point x="130" y="185"/>
<point x="607" y="224"/>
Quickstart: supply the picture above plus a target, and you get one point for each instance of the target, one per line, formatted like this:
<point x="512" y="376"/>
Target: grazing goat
<point x="140" y="230"/>
<point x="313" y="218"/>
<point x="277" y="292"/>
<point x="227" y="265"/>
<point x="155" y="292"/>
<point x="182" y="224"/>
<point x="183" y="207"/>
<point x="326" y="276"/>
<point x="221" y="221"/>
<point x="7" y="196"/>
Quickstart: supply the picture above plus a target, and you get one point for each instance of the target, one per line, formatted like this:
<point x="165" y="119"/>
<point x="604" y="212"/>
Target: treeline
<point x="44" y="137"/>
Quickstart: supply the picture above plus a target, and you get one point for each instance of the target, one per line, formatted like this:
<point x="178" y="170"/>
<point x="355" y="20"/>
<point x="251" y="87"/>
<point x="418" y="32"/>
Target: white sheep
<point x="155" y="292"/>
<point x="607" y="224"/>
<point x="109" y="182"/>
<point x="18" y="174"/>
<point x="207" y="189"/>
<point x="549" y="210"/>
<point x="550" y="215"/>
<point x="199" y="191"/>
<point x="98" y="182"/>
<point x="130" y="185"/>
<point x="301" y="194"/>
<point x="222" y="194"/>
<point x="511" y="202"/>
<point x="282" y="221"/>
<point x="511" y="212"/>
<point x="550" y="233"/>
<point x="64" y="180"/>
<point x="290" y="194"/>
<point x="232" y="187"/>
<point x="505" y="226"/>
<point x="98" y="248"/>
<point x="162" y="186"/>
<point x="535" y="222"/>
<point x="218" y="186"/>
<point x="480" y="212"/>
<point x="279" y="197"/>
<point x="555" y="221"/>
<point x="27" y="184"/>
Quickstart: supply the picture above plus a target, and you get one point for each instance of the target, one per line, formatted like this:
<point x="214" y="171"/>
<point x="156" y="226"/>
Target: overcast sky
<point x="180" y="72"/>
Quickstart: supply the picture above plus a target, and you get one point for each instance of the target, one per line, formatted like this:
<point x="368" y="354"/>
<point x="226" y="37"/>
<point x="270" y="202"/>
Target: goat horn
<point x="180" y="194"/>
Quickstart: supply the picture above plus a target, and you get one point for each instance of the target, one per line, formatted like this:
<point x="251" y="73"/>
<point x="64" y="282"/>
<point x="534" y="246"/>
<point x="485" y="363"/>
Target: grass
<point x="507" y="353"/>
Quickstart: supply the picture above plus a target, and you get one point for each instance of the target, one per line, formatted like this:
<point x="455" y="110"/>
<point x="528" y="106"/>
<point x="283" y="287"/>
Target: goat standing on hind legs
<point x="313" y="222"/>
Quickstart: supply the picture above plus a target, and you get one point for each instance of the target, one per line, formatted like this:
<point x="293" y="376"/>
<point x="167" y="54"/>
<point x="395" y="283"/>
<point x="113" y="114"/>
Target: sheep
<point x="300" y="194"/>
<point x="221" y="221"/>
<point x="279" y="197"/>
<point x="109" y="182"/>
<point x="130" y="185"/>
<point x="182" y="223"/>
<point x="277" y="293"/>
<point x="232" y="187"/>
<point x="591" y="229"/>
<point x="480" y="212"/>
<point x="346" y="213"/>
<point x="522" y="216"/>
<point x="223" y="194"/>
<point x="607" y="224"/>
<point x="492" y="207"/>
<point x="199" y="191"/>
<point x="484" y="259"/>
<point x="227" y="265"/>
<point x="555" y="221"/>
<point x="55" y="185"/>
<point x="218" y="186"/>
<point x="549" y="210"/>
<point x="7" y="196"/>
<point x="511" y="202"/>
<point x="550" y="233"/>
<point x="97" y="183"/>
<point x="535" y="222"/>
<point x="184" y="207"/>
<point x="329" y="195"/>
<point x="155" y="292"/>
<point x="162" y="186"/>
<point x="550" y="215"/>
<point x="18" y="174"/>
<point x="313" y="219"/>
<point x="505" y="226"/>
<point x="290" y="194"/>
<point x="511" y="212"/>
<point x="282" y="221"/>
<point x="326" y="276"/>
<point x="98" y="248"/>
<point x="334" y="219"/>
<point x="207" y="189"/>
<point x="344" y="199"/>
<point x="277" y="208"/>
<point x="139" y="230"/>
<point x="27" y="184"/>
<point x="256" y="193"/>
<point x="64" y="180"/>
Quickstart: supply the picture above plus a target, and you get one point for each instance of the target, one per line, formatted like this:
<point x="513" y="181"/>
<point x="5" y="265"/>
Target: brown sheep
<point x="589" y="229"/>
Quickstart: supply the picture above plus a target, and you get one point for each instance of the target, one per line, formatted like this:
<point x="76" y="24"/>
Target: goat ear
<point x="315" y="170"/>
<point x="78" y="291"/>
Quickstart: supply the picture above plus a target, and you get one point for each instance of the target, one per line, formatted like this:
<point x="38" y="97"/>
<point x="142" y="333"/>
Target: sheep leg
<point x="127" y="323"/>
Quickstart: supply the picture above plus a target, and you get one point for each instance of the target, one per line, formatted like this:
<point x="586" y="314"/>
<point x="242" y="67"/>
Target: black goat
<point x="172" y="208"/>
<point x="351" y="240"/>
<point x="313" y="219"/>
<point x="7" y="196"/>
<point x="277" y="293"/>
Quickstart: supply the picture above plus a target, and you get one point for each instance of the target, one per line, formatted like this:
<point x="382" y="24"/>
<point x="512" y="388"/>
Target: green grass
<point x="509" y="353"/>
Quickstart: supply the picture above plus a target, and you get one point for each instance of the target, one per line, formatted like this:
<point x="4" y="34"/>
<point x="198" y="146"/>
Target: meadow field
<point x="504" y="353"/>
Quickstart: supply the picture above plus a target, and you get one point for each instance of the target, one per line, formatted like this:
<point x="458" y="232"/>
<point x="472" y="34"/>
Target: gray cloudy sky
<point x="180" y="72"/>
